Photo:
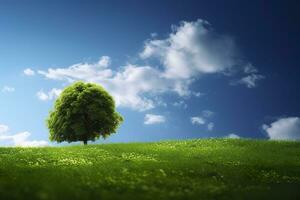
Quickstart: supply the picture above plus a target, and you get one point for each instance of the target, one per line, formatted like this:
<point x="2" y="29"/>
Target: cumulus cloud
<point x="8" y="89"/>
<point x="198" y="120"/>
<point x="284" y="129"/>
<point x="19" y="139"/>
<point x="131" y="86"/>
<point x="233" y="136"/>
<point x="46" y="96"/>
<point x="154" y="119"/>
<point x="29" y="72"/>
<point x="191" y="50"/>
<point x="194" y="48"/>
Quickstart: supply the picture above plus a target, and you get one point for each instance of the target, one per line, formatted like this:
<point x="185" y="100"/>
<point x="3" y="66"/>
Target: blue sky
<point x="177" y="69"/>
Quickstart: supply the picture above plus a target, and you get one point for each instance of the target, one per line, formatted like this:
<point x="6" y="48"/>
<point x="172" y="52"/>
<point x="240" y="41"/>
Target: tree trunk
<point x="85" y="142"/>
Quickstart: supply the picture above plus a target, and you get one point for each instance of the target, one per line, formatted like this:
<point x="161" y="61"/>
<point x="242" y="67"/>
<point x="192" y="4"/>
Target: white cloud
<point x="250" y="77"/>
<point x="154" y="119"/>
<point x="29" y="72"/>
<point x="46" y="96"/>
<point x="81" y="71"/>
<point x="104" y="61"/>
<point x="284" y="129"/>
<point x="210" y="126"/>
<point x="233" y="136"/>
<point x="131" y="86"/>
<point x="193" y="48"/>
<point x="42" y="95"/>
<point x="198" y="120"/>
<point x="203" y="119"/>
<point x="19" y="139"/>
<point x="251" y="80"/>
<point x="8" y="89"/>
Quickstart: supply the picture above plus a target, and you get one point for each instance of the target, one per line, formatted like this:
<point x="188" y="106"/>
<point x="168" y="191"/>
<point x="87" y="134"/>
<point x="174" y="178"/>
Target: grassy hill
<point x="191" y="169"/>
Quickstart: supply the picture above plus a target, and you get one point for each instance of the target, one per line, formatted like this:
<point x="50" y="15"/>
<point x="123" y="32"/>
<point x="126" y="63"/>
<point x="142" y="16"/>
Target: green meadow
<point x="188" y="169"/>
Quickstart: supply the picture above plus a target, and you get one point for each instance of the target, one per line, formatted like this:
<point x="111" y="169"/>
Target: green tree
<point x="83" y="112"/>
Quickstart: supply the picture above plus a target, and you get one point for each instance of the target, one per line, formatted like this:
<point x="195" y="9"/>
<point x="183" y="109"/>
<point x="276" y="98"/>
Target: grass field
<point x="191" y="169"/>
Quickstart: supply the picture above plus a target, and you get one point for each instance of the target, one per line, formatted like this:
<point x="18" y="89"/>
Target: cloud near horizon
<point x="233" y="136"/>
<point x="18" y="139"/>
<point x="284" y="129"/>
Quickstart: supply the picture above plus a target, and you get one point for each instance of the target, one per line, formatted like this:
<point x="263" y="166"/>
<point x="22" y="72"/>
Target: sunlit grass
<point x="191" y="169"/>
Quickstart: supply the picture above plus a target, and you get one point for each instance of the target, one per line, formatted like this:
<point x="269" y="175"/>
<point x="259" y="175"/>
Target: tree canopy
<point x="83" y="112"/>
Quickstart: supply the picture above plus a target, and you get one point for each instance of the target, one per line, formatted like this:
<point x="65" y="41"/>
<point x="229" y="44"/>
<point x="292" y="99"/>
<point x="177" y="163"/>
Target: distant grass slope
<point x="191" y="169"/>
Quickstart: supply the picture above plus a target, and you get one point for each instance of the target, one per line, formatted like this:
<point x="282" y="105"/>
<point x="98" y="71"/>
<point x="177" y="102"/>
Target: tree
<point x="83" y="112"/>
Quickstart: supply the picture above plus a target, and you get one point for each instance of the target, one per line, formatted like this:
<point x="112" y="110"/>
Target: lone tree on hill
<point x="83" y="112"/>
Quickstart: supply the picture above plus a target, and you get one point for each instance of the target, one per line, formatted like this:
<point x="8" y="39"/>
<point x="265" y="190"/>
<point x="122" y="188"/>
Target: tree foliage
<point x="83" y="112"/>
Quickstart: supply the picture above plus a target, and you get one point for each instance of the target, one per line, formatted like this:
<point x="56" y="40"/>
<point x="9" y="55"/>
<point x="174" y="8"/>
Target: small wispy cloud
<point x="204" y="119"/>
<point x="50" y="95"/>
<point x="250" y="69"/>
<point x="29" y="72"/>
<point x="251" y="80"/>
<point x="207" y="113"/>
<point x="7" y="89"/>
<point x="198" y="94"/>
<point x="198" y="120"/>
<point x="180" y="104"/>
<point x="153" y="35"/>
<point x="154" y="119"/>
